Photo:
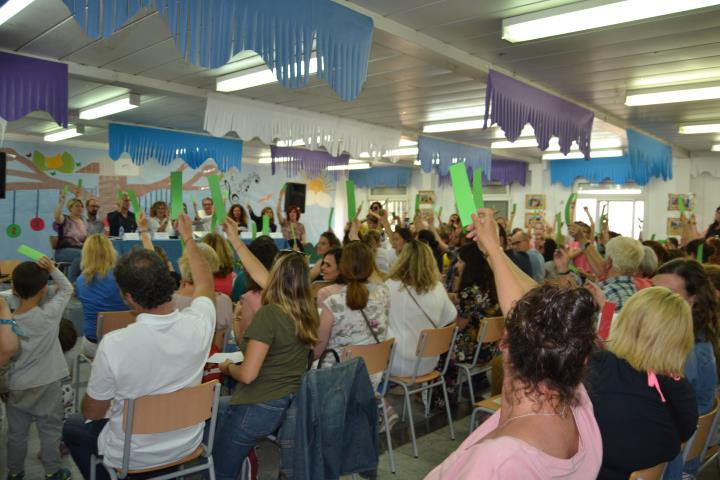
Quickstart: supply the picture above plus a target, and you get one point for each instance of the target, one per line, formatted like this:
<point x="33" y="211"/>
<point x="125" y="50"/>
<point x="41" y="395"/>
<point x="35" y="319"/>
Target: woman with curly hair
<point x="545" y="426"/>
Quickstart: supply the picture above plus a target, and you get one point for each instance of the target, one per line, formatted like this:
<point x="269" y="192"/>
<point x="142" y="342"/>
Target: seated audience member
<point x="647" y="268"/>
<point x="428" y="238"/>
<point x="333" y="281"/>
<point x="225" y="273"/>
<point x="661" y="252"/>
<point x="643" y="408"/>
<point x="399" y="238"/>
<point x="94" y="224"/>
<point x="708" y="249"/>
<point x="358" y="313"/>
<point x="184" y="296"/>
<point x="276" y="347"/>
<point x="35" y="375"/>
<point x="258" y="219"/>
<point x="713" y="230"/>
<point x="672" y="243"/>
<point x="122" y="218"/>
<point x="520" y="243"/>
<point x="328" y="241"/>
<point x="545" y="426"/>
<point x="418" y="301"/>
<point x="623" y="256"/>
<point x="293" y="231"/>
<point x="160" y="219"/>
<point x="96" y="287"/>
<point x="265" y="250"/>
<point x="72" y="231"/>
<point x="713" y="273"/>
<point x="174" y="343"/>
<point x="238" y="214"/>
<point x="203" y="218"/>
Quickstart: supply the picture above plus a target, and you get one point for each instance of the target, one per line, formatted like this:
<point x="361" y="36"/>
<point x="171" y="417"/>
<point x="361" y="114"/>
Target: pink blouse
<point x="509" y="457"/>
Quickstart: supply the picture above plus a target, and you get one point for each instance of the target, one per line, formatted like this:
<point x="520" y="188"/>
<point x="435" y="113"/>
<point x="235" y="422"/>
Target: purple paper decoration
<point x="507" y="172"/>
<point x="511" y="104"/>
<point x="29" y="84"/>
<point x="312" y="162"/>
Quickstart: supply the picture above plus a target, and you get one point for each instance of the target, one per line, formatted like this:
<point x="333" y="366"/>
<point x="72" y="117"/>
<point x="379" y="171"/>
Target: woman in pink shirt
<point x="545" y="427"/>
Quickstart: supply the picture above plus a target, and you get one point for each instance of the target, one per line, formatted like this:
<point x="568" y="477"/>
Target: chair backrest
<point x="698" y="443"/>
<point x="110" y="321"/>
<point x="53" y="239"/>
<point x="376" y="355"/>
<point x="167" y="412"/>
<point x="652" y="473"/>
<point x="492" y="329"/>
<point x="435" y="341"/>
<point x="8" y="266"/>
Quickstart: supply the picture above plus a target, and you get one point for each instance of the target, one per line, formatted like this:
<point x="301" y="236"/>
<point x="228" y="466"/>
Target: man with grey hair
<point x="622" y="260"/>
<point x="520" y="242"/>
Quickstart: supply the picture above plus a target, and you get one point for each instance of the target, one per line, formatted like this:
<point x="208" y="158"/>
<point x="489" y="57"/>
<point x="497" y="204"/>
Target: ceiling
<point x="428" y="59"/>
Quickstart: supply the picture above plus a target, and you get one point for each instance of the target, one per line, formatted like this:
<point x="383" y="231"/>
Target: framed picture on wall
<point x="688" y="198"/>
<point x="531" y="218"/>
<point x="674" y="226"/>
<point x="534" y="202"/>
<point x="427" y="197"/>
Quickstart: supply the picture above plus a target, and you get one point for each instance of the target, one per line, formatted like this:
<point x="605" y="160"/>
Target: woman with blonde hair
<point x="160" y="219"/>
<point x="72" y="231"/>
<point x="643" y="406"/>
<point x="418" y="301"/>
<point x="276" y="347"/>
<point x="96" y="288"/>
<point x="225" y="272"/>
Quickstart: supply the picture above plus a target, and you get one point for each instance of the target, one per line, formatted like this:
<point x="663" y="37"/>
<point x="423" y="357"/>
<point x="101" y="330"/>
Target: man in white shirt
<point x="165" y="350"/>
<point x="203" y="218"/>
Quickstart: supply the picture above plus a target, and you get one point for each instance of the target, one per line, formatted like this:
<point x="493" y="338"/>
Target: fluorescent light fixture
<point x="673" y="96"/>
<point x="64" y="134"/>
<point x="694" y="129"/>
<point x="453" y="126"/>
<point x="351" y="166"/>
<point x="611" y="191"/>
<point x="578" y="155"/>
<point x="400" y="152"/>
<point x="268" y="160"/>
<point x="254" y="77"/>
<point x="590" y="14"/>
<point x="554" y="145"/>
<point x="406" y="142"/>
<point x="12" y="8"/>
<point x="715" y="148"/>
<point x="110" y="107"/>
<point x="287" y="143"/>
<point x="705" y="74"/>
<point x="466" y="112"/>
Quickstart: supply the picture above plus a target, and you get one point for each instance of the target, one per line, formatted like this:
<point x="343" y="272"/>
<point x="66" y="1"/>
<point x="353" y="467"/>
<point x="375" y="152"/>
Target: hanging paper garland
<point x="13" y="230"/>
<point x="37" y="223"/>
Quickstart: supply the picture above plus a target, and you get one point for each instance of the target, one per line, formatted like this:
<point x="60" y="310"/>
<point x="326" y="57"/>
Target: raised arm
<point x="57" y="213"/>
<point x="56" y="305"/>
<point x="143" y="228"/>
<point x="591" y="221"/>
<point x="201" y="273"/>
<point x="250" y="263"/>
<point x="281" y="196"/>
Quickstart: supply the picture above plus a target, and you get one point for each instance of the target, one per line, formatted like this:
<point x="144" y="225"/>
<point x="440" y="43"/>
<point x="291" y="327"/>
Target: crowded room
<point x="359" y="239"/>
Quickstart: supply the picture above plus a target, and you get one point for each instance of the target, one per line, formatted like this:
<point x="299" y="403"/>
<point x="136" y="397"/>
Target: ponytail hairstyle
<point x="356" y="265"/>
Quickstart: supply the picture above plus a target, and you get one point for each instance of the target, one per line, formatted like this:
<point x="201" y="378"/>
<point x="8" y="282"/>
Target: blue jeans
<point x="238" y="430"/>
<point x="71" y="256"/>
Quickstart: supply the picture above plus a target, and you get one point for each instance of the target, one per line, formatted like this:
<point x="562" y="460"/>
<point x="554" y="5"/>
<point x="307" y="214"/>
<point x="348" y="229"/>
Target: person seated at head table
<point x="203" y="218"/>
<point x="160" y="219"/>
<point x="238" y="214"/>
<point x="94" y="224"/>
<point x="258" y="219"/>
<point x="122" y="217"/>
<point x="72" y="231"/>
<point x="293" y="231"/>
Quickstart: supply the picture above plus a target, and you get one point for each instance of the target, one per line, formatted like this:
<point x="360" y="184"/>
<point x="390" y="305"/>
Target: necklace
<point x="539" y="414"/>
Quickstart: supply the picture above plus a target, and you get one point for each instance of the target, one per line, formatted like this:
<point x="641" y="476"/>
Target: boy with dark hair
<point x="34" y="379"/>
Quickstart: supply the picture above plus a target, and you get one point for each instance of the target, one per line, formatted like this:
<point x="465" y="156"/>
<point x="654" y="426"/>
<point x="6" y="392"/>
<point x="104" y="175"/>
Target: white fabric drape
<point x="270" y="122"/>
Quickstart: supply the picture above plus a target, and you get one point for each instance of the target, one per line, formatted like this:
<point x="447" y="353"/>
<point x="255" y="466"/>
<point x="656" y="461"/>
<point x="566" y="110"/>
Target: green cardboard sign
<point x="218" y="200"/>
<point x="700" y="252"/>
<point x="652" y="237"/>
<point x="681" y="204"/>
<point x="330" y="218"/>
<point x="417" y="203"/>
<point x="478" y="188"/>
<point x="266" y="225"/>
<point x="254" y="230"/>
<point x="558" y="228"/>
<point x="568" y="208"/>
<point x="30" y="252"/>
<point x="79" y="184"/>
<point x="134" y="200"/>
<point x="350" y="191"/>
<point x="176" y="194"/>
<point x="514" y="208"/>
<point x="463" y="194"/>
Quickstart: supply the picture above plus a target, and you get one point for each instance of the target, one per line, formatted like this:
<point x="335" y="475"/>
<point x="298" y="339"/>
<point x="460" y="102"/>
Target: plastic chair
<point x="699" y="443"/>
<point x="652" y="473"/>
<point x="168" y="412"/>
<point x="432" y="342"/>
<point x="378" y="358"/>
<point x="491" y="405"/>
<point x="491" y="330"/>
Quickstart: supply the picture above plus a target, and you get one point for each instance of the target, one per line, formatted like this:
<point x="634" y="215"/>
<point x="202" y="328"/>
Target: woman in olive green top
<point x="276" y="347"/>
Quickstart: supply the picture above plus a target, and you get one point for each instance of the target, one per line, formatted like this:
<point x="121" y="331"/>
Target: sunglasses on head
<point x="286" y="251"/>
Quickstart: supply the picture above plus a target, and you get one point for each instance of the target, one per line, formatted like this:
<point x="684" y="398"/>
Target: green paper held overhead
<point x="79" y="184"/>
<point x="463" y="194"/>
<point x="681" y="204"/>
<point x="217" y="198"/>
<point x="558" y="228"/>
<point x="350" y="191"/>
<point x="133" y="200"/>
<point x="266" y="225"/>
<point x="417" y="203"/>
<point x="568" y="208"/>
<point x="478" y="188"/>
<point x="30" y="252"/>
<point x="330" y="218"/>
<point x="254" y="230"/>
<point x="514" y="208"/>
<point x="652" y="237"/>
<point x="176" y="194"/>
<point x="700" y="252"/>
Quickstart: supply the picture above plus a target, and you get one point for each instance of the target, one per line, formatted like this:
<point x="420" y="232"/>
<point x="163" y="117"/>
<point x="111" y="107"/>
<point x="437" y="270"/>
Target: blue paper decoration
<point x="616" y="169"/>
<point x="436" y="153"/>
<point x="209" y="32"/>
<point x="165" y="146"/>
<point x="648" y="157"/>
<point x="381" y="177"/>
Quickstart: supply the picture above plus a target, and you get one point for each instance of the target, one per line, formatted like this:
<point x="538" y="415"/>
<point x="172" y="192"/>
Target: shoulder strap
<point x="367" y="322"/>
<point x="418" y="305"/>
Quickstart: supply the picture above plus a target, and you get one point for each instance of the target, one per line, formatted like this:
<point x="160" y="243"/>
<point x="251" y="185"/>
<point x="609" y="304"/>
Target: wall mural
<point x="37" y="172"/>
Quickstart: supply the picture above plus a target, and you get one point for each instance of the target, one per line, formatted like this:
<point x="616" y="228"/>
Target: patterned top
<point x="473" y="305"/>
<point x="288" y="232"/>
<point x="618" y="290"/>
<point x="71" y="233"/>
<point x="349" y="327"/>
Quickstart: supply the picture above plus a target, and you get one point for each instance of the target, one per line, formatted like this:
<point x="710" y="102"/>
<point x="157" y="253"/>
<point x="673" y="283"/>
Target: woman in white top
<point x="160" y="219"/>
<point x="418" y="301"/>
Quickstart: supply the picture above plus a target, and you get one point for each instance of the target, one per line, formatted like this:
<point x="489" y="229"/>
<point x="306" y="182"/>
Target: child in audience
<point x="34" y="380"/>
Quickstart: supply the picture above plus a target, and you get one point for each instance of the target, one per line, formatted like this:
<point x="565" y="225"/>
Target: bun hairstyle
<point x="356" y="265"/>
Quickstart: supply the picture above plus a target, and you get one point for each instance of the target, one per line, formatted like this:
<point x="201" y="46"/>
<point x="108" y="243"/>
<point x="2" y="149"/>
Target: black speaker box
<point x="295" y="195"/>
<point x="3" y="170"/>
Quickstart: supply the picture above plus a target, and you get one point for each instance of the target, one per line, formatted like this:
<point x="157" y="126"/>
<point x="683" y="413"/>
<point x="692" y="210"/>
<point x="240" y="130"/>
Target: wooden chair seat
<point x="490" y="404"/>
<point x="196" y="454"/>
<point x="421" y="379"/>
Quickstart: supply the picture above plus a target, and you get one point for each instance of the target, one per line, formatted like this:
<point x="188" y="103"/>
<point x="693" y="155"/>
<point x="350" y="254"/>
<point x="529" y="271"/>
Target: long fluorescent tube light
<point x="715" y="148"/>
<point x="352" y="166"/>
<point x="672" y="96"/>
<point x="695" y="129"/>
<point x="254" y="77"/>
<point x="64" y="134"/>
<point x="610" y="191"/>
<point x="578" y="155"/>
<point x="689" y="76"/>
<point x="268" y="160"/>
<point x="401" y="152"/>
<point x="453" y="126"/>
<point x="590" y="14"/>
<point x="527" y="131"/>
<point x="465" y="112"/>
<point x="116" y="105"/>
<point x="12" y="8"/>
<point x="554" y="145"/>
<point x="406" y="142"/>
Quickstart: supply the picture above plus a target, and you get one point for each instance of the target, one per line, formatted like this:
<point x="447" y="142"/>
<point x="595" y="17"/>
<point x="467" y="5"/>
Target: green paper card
<point x="31" y="253"/>
<point x="65" y="189"/>
<point x="478" y="188"/>
<point x="266" y="225"/>
<point x="254" y="230"/>
<point x="514" y="208"/>
<point x="217" y="198"/>
<point x="681" y="204"/>
<point x="568" y="207"/>
<point x="463" y="194"/>
<point x="700" y="252"/>
<point x="176" y="194"/>
<point x="652" y="237"/>
<point x="439" y="213"/>
<point x="119" y="196"/>
<point x="79" y="185"/>
<point x="330" y="218"/>
<point x="350" y="190"/>
<point x="134" y="200"/>
<point x="558" y="227"/>
<point x="417" y="203"/>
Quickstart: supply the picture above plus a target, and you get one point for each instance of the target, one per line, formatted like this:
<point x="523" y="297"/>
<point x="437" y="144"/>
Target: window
<point x="624" y="206"/>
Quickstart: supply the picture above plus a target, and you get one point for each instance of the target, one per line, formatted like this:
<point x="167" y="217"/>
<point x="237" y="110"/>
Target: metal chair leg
<point x="391" y="454"/>
<point x="447" y="410"/>
<point x="473" y="417"/>
<point x="411" y="422"/>
<point x="470" y="388"/>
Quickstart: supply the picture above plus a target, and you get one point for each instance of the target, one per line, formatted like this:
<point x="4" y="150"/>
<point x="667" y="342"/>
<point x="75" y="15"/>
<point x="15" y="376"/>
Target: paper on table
<point x="31" y="253"/>
<point x="350" y="190"/>
<point x="463" y="194"/>
<point x="176" y="194"/>
<point x="220" y="357"/>
<point x="478" y="188"/>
